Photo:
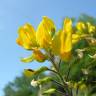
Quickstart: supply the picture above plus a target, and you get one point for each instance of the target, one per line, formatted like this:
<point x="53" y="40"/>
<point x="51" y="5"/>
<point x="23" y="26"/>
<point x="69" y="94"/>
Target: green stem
<point x="91" y="63"/>
<point x="51" y="58"/>
<point x="59" y="84"/>
<point x="63" y="94"/>
<point x="57" y="71"/>
<point x="72" y="93"/>
<point x="59" y="65"/>
<point x="77" y="91"/>
<point x="59" y="74"/>
<point x="54" y="72"/>
<point x="52" y="61"/>
<point x="69" y="69"/>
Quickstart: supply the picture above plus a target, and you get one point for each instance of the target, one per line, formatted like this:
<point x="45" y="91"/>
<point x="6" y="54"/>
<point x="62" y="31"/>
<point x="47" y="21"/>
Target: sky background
<point x="14" y="13"/>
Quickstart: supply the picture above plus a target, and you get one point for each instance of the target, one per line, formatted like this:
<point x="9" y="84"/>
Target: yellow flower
<point x="38" y="55"/>
<point x="44" y="32"/>
<point x="80" y="26"/>
<point x="66" y="39"/>
<point x="27" y="37"/>
<point x="56" y="43"/>
<point x="91" y="28"/>
<point x="75" y="38"/>
<point x="62" y="41"/>
<point x="66" y="36"/>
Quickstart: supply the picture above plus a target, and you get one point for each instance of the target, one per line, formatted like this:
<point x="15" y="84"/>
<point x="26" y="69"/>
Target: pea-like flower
<point x="45" y="31"/>
<point x="35" y="40"/>
<point x="62" y="41"/>
<point x="46" y="37"/>
<point x="27" y="37"/>
<point x="81" y="26"/>
<point x="91" y="28"/>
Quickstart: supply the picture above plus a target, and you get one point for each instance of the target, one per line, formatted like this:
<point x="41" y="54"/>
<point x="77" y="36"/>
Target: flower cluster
<point x="48" y="38"/>
<point x="47" y="43"/>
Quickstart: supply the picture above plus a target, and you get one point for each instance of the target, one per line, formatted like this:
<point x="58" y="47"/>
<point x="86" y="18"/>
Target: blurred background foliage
<point x="81" y="74"/>
<point x="20" y="87"/>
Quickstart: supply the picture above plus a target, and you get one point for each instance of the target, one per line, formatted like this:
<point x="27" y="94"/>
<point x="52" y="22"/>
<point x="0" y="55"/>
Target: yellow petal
<point x="62" y="41"/>
<point x="67" y="25"/>
<point x="56" y="43"/>
<point x="38" y="55"/>
<point x="24" y="39"/>
<point x="30" y="32"/>
<point x="91" y="28"/>
<point x="44" y="30"/>
<point x="66" y="36"/>
<point x="66" y="56"/>
<point x="80" y="26"/>
<point x="75" y="38"/>
<point x="19" y="41"/>
<point x="49" y="24"/>
<point x="27" y="38"/>
<point x="66" y="39"/>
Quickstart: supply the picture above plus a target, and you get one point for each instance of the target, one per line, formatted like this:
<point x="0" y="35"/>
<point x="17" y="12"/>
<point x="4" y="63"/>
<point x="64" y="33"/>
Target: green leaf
<point x="30" y="72"/>
<point x="42" y="69"/>
<point x="44" y="80"/>
<point x="28" y="59"/>
<point x="49" y="91"/>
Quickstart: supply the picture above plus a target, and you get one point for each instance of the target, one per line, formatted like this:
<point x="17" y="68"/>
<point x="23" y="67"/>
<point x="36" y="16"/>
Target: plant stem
<point x="58" y="83"/>
<point x="57" y="71"/>
<point x="59" y="64"/>
<point x="51" y="58"/>
<point x="89" y="64"/>
<point x="77" y="91"/>
<point x="69" y="69"/>
<point x="63" y="94"/>
<point x="52" y="61"/>
<point x="59" y="74"/>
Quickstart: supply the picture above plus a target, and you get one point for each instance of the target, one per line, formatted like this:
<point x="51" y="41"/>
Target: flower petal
<point x="27" y="38"/>
<point x="39" y="56"/>
<point x="56" y="43"/>
<point x="44" y="32"/>
<point x="66" y="36"/>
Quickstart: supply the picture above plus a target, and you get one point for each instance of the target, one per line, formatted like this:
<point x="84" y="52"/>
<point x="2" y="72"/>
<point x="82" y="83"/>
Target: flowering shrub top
<point x="58" y="47"/>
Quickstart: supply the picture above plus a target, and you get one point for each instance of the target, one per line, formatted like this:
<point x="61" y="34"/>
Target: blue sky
<point x="14" y="13"/>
